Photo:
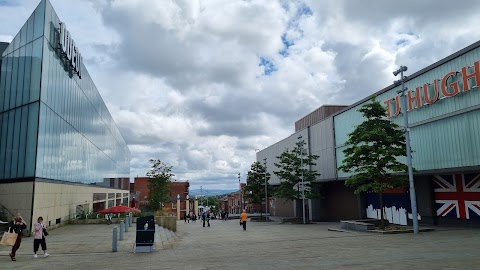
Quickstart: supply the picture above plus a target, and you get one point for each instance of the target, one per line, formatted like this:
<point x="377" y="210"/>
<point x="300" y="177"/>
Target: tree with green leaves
<point x="255" y="189"/>
<point x="372" y="152"/>
<point x="159" y="185"/>
<point x="290" y="172"/>
<point x="214" y="203"/>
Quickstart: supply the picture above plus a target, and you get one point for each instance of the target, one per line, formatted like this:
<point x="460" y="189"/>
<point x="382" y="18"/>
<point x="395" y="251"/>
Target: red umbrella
<point x="119" y="209"/>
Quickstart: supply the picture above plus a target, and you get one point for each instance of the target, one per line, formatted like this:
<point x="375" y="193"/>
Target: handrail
<point x="3" y="211"/>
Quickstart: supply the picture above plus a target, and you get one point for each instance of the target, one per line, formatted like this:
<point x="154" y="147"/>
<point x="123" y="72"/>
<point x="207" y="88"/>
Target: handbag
<point x="45" y="233"/>
<point x="9" y="238"/>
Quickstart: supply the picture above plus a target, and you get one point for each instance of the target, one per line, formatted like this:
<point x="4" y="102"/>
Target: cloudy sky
<point x="201" y="84"/>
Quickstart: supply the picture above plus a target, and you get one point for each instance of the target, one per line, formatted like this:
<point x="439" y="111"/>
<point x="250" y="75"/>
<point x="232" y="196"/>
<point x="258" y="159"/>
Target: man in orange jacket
<point x="243" y="219"/>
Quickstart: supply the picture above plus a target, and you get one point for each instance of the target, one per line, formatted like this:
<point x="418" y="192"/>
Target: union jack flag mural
<point x="457" y="195"/>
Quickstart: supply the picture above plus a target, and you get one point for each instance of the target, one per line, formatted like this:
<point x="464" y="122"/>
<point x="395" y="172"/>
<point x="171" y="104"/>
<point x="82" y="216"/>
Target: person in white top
<point x="39" y="238"/>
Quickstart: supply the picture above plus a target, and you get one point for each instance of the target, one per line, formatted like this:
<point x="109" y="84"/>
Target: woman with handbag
<point x="17" y="226"/>
<point x="39" y="238"/>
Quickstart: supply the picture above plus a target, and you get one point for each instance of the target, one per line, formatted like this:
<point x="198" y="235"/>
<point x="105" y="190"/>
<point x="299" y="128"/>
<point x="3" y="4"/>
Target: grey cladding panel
<point x="277" y="149"/>
<point x="322" y="144"/>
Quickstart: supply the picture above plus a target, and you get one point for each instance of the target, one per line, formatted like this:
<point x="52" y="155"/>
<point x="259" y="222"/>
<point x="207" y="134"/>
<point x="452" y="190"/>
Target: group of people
<point x="206" y="216"/>
<point x="189" y="217"/>
<point x="18" y="226"/>
<point x="224" y="215"/>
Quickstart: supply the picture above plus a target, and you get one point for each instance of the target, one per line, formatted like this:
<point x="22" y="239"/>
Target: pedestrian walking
<point x="204" y="217"/>
<point x="17" y="226"/>
<point x="108" y="217"/>
<point x="243" y="219"/>
<point x="39" y="238"/>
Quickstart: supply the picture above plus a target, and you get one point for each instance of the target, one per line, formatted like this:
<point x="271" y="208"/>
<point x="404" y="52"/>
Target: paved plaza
<point x="271" y="245"/>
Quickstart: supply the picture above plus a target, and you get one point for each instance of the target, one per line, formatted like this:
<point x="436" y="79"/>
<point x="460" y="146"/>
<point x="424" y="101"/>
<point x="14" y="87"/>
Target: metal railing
<point x="5" y="215"/>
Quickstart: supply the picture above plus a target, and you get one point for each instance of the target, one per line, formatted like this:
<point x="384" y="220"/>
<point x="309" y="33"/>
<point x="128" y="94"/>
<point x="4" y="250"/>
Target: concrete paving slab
<point x="270" y="245"/>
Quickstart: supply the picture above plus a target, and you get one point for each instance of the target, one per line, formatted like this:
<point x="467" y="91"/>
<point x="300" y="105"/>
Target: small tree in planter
<point x="255" y="188"/>
<point x="290" y="172"/>
<point x="159" y="185"/>
<point x="371" y="157"/>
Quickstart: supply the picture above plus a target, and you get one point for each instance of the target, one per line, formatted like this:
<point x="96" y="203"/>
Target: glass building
<point x="55" y="128"/>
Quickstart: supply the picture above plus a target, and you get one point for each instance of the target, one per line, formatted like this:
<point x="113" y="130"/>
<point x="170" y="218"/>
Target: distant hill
<point x="211" y="192"/>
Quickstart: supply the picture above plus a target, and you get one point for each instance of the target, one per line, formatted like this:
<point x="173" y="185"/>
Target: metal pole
<point x="413" y="197"/>
<point x="301" y="167"/>
<point x="266" y="195"/>
<point x="240" y="191"/>
<point x="114" y="239"/>
<point x="122" y="225"/>
<point x="127" y="221"/>
<point x="201" y="195"/>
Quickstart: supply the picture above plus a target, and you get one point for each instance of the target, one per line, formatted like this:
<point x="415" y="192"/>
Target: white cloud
<point x="186" y="83"/>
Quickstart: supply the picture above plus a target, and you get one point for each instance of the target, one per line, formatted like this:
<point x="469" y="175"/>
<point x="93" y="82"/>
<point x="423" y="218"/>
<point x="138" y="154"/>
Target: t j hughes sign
<point x="71" y="52"/>
<point x="450" y="85"/>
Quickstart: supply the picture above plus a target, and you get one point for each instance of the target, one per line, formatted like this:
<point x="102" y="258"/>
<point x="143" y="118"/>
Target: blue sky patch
<point x="402" y="42"/>
<point x="303" y="9"/>
<point x="8" y="3"/>
<point x="287" y="43"/>
<point x="268" y="66"/>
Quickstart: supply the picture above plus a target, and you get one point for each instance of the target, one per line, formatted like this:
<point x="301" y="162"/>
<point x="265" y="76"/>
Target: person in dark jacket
<point x="17" y="226"/>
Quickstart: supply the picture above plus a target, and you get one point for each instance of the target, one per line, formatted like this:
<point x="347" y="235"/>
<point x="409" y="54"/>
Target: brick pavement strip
<point x="263" y="246"/>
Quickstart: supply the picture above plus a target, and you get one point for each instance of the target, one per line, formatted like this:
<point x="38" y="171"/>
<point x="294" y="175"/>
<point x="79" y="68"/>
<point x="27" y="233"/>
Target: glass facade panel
<point x="35" y="73"/>
<point x="54" y="124"/>
<point x="21" y="70"/>
<point x="99" y="196"/>
<point x="30" y="23"/>
<point x="22" y="142"/>
<point x="16" y="141"/>
<point x="3" y="143"/>
<point x="28" y="69"/>
<point x="8" y="155"/>
<point x="7" y="66"/>
<point x="39" y="20"/>
<point x="3" y="74"/>
<point x="14" y="77"/>
<point x="31" y="148"/>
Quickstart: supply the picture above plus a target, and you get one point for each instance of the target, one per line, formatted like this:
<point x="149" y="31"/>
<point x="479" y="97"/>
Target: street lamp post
<point x="413" y="197"/>
<point x="266" y="195"/>
<point x="240" y="193"/>
<point x="300" y="144"/>
<point x="206" y="194"/>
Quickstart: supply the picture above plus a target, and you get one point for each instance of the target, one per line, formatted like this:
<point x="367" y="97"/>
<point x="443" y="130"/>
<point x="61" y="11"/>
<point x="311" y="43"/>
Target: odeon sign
<point x="451" y="85"/>
<point x="71" y="52"/>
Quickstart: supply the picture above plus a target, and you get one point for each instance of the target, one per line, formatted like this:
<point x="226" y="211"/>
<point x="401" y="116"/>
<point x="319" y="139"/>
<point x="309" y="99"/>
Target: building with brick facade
<point x="232" y="203"/>
<point x="180" y="202"/>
